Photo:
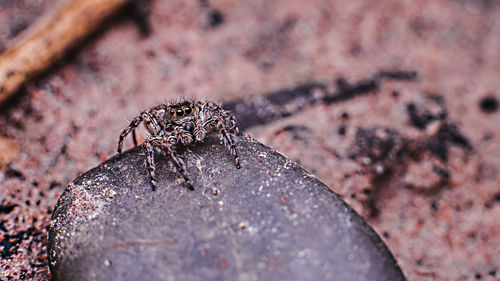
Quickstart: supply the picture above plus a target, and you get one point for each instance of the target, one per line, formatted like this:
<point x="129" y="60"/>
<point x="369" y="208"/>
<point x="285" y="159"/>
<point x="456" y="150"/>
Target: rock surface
<point x="269" y="220"/>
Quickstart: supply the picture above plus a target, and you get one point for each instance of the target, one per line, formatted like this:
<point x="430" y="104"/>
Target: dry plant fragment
<point x="9" y="149"/>
<point x="47" y="39"/>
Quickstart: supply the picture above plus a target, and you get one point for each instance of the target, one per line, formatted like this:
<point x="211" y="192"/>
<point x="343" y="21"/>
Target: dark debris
<point x="54" y="184"/>
<point x="297" y="132"/>
<point x="284" y="103"/>
<point x="420" y="118"/>
<point x="495" y="199"/>
<point x="273" y="106"/>
<point x="447" y="135"/>
<point x="13" y="173"/>
<point x="138" y="11"/>
<point x="385" y="153"/>
<point x="215" y="18"/>
<point x="379" y="146"/>
<point x="10" y="243"/>
<point x="489" y="104"/>
<point x="7" y="208"/>
<point x="346" y="91"/>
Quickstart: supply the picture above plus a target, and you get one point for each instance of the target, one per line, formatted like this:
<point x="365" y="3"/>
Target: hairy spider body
<point x="181" y="123"/>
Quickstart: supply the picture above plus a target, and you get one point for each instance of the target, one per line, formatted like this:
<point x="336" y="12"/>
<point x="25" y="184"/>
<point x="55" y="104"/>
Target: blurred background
<point x="392" y="104"/>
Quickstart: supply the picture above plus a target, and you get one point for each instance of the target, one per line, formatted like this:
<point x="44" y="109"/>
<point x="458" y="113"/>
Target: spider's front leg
<point x="169" y="149"/>
<point x="225" y="134"/>
<point x="151" y="123"/>
<point x="130" y="128"/>
<point x="232" y="119"/>
<point x="148" y="146"/>
<point x="225" y="116"/>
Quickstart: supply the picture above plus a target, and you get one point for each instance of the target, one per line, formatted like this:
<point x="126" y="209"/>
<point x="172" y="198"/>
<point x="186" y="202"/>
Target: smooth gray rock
<point x="269" y="220"/>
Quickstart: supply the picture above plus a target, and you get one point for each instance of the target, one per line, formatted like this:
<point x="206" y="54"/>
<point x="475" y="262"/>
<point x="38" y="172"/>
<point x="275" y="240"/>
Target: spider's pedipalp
<point x="184" y="136"/>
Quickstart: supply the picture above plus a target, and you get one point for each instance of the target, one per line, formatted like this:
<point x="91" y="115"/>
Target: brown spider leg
<point x="232" y="119"/>
<point x="226" y="136"/>
<point x="178" y="166"/>
<point x="134" y="137"/>
<point x="233" y="123"/>
<point x="150" y="123"/>
<point x="130" y="128"/>
<point x="232" y="148"/>
<point x="148" y="146"/>
<point x="227" y="116"/>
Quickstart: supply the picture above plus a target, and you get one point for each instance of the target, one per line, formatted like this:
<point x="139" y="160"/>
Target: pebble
<point x="269" y="220"/>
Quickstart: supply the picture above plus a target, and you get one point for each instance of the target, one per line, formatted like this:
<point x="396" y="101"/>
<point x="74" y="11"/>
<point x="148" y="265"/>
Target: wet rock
<point x="269" y="220"/>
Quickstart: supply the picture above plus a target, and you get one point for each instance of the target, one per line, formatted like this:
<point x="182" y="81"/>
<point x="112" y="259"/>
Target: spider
<point x="181" y="123"/>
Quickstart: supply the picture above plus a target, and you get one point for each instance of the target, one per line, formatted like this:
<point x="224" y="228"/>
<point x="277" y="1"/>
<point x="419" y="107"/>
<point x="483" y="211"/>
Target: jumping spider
<point x="182" y="123"/>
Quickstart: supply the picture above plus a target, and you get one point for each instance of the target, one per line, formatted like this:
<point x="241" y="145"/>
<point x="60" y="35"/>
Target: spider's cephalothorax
<point x="182" y="123"/>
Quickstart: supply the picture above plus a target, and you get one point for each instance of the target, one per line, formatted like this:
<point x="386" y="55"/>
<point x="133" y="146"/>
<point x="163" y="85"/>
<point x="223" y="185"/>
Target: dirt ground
<point x="419" y="158"/>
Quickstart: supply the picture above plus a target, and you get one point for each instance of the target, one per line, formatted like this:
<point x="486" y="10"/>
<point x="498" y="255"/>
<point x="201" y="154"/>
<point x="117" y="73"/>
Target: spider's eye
<point x="179" y="112"/>
<point x="188" y="110"/>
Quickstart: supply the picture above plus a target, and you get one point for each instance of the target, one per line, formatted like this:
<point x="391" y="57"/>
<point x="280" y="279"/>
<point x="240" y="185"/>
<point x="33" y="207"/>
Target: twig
<point x="47" y="40"/>
<point x="277" y="105"/>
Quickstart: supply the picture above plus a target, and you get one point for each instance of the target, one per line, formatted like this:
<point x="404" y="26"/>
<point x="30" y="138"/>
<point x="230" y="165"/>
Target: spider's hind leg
<point x="225" y="132"/>
<point x="231" y="145"/>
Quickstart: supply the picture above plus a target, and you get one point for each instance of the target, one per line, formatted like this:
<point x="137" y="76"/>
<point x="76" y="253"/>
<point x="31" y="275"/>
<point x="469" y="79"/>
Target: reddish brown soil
<point x="68" y="121"/>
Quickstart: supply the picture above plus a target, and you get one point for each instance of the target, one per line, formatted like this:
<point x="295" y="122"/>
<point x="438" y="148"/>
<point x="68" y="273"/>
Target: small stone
<point x="111" y="193"/>
<point x="215" y="191"/>
<point x="260" y="226"/>
<point x="242" y="225"/>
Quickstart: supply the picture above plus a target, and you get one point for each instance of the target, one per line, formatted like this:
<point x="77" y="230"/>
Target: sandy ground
<point x="436" y="208"/>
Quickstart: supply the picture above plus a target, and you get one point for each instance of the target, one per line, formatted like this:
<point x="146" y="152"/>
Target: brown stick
<point x="47" y="40"/>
